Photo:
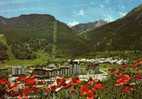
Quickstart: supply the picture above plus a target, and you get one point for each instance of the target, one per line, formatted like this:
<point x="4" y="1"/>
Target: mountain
<point x="3" y="48"/>
<point x="122" y="34"/>
<point x="88" y="26"/>
<point x="26" y="34"/>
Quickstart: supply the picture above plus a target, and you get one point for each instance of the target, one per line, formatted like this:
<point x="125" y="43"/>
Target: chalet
<point x="18" y="70"/>
<point x="58" y="71"/>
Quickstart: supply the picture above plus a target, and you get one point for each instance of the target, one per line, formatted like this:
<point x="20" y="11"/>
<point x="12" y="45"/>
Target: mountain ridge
<point x="122" y="34"/>
<point x="81" y="27"/>
<point x="27" y="33"/>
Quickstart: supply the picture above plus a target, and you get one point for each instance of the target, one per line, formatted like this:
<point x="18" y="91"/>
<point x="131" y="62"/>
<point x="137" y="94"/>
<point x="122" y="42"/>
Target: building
<point x="18" y="70"/>
<point x="58" y="71"/>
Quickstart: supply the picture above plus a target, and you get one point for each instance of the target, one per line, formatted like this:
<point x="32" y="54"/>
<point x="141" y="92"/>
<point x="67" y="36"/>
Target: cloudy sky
<point x="70" y="11"/>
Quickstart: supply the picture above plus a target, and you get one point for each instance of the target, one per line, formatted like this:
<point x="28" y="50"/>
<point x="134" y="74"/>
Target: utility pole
<point x="54" y="39"/>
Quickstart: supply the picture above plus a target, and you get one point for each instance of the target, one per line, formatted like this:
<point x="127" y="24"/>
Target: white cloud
<point x="109" y="18"/>
<point x="122" y="14"/>
<point x="73" y="23"/>
<point x="81" y="12"/>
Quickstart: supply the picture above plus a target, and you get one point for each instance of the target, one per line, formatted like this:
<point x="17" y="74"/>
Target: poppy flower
<point x="115" y="72"/>
<point x="98" y="86"/>
<point x="53" y="88"/>
<point x="76" y="80"/>
<point x="67" y="84"/>
<point x="19" y="97"/>
<point x="127" y="89"/>
<point x="137" y="63"/>
<point x="84" y="90"/>
<point x="124" y="65"/>
<point x="123" y="79"/>
<point x="91" y="81"/>
<point x="3" y="81"/>
<point x="27" y="91"/>
<point x="14" y="85"/>
<point x="90" y="94"/>
<point x="138" y="76"/>
<point x="21" y="78"/>
<point x="30" y="81"/>
<point x="90" y="97"/>
<point x="60" y="81"/>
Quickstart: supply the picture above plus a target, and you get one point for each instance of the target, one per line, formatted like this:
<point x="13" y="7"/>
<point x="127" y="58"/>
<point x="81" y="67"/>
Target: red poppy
<point x="19" y="97"/>
<point x="10" y="86"/>
<point x="115" y="72"/>
<point x="30" y="81"/>
<point x="91" y="97"/>
<point x="84" y="90"/>
<point x="90" y="94"/>
<point x="127" y="89"/>
<point x="123" y="79"/>
<point x="21" y="78"/>
<point x="76" y="80"/>
<point x="67" y="85"/>
<point x="60" y="81"/>
<point x="137" y="63"/>
<point x="98" y="86"/>
<point x="138" y="76"/>
<point x="27" y="91"/>
<point x="91" y="81"/>
<point x="53" y="88"/>
<point x="124" y="65"/>
<point x="134" y="65"/>
<point x="3" y="81"/>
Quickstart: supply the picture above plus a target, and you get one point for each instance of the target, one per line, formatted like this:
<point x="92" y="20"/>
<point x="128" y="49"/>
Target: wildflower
<point x="14" y="85"/>
<point x="90" y="94"/>
<point x="91" y="81"/>
<point x="127" y="89"/>
<point x="67" y="84"/>
<point x="19" y="97"/>
<point x="76" y="80"/>
<point x="84" y="90"/>
<point x="138" y="76"/>
<point x="98" y="86"/>
<point x="124" y="65"/>
<point x="60" y="81"/>
<point x="27" y="91"/>
<point x="30" y="81"/>
<point x="123" y="79"/>
<point x="3" y="81"/>
<point x="21" y="78"/>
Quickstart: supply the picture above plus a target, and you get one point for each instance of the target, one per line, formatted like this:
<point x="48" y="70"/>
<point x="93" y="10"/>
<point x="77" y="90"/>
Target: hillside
<point x="27" y="34"/>
<point x="3" y="48"/>
<point x="122" y="34"/>
<point x="88" y="26"/>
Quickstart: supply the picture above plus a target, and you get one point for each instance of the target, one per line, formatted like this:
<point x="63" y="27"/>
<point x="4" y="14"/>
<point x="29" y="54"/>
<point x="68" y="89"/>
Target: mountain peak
<point x="87" y="26"/>
<point x="135" y="12"/>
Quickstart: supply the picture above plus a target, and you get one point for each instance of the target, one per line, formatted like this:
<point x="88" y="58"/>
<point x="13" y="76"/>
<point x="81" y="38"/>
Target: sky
<point x="70" y="11"/>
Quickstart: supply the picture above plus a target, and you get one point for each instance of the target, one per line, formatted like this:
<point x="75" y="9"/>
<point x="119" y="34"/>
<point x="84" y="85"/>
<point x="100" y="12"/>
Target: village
<point x="49" y="73"/>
